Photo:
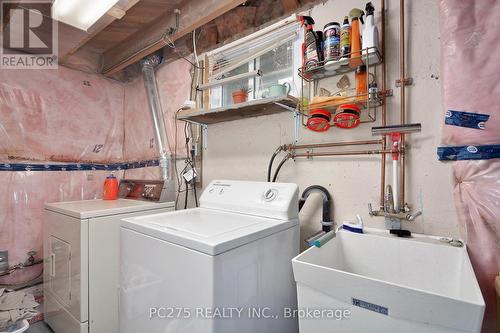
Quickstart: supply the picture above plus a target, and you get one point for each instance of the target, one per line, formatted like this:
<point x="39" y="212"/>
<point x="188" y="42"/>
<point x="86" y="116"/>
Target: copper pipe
<point x="384" y="107"/>
<point x="345" y="153"/>
<point x="402" y="99"/>
<point x="334" y="144"/>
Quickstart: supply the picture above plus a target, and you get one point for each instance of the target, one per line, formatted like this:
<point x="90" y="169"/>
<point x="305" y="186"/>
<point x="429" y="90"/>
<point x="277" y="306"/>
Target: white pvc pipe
<point x="395" y="183"/>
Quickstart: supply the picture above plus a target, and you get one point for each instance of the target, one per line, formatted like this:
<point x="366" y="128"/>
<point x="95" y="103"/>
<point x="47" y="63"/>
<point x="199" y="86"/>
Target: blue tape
<point x="485" y="152"/>
<point x="76" y="166"/>
<point x="466" y="119"/>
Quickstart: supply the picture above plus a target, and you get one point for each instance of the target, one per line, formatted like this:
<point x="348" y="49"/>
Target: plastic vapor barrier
<point x="61" y="132"/>
<point x="60" y="115"/>
<point x="471" y="94"/>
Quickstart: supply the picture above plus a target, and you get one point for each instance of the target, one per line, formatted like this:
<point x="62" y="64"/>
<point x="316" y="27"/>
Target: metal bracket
<point x="408" y="81"/>
<point x="387" y="93"/>
<point x="310" y="153"/>
<point x="296" y="126"/>
<point x="204" y="133"/>
<point x="172" y="30"/>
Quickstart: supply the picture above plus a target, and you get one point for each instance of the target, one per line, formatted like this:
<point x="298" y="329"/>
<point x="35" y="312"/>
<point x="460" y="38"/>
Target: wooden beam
<point x="290" y="5"/>
<point x="113" y="14"/>
<point x="194" y="14"/>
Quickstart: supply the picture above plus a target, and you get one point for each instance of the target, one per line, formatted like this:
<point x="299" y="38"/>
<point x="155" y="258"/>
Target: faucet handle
<point x="412" y="217"/>
<point x="370" y="209"/>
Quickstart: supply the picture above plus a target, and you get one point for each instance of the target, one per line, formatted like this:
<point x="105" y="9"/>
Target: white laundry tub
<point x="387" y="284"/>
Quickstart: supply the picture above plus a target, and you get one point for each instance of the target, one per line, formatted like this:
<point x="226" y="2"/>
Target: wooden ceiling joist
<point x="194" y="14"/>
<point x="115" y="13"/>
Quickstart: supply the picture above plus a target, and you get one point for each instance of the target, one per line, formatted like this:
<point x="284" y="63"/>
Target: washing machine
<point x="81" y="257"/>
<point x="224" y="267"/>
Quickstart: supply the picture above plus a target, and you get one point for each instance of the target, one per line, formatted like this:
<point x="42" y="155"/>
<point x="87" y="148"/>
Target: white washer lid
<point x="206" y="230"/>
<point x="83" y="209"/>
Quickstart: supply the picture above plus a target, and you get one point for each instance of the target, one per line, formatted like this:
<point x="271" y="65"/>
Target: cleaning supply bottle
<point x="110" y="191"/>
<point x="311" y="53"/>
<point x="345" y="39"/>
<point x="356" y="16"/>
<point x="331" y="45"/>
<point x="370" y="34"/>
<point x="361" y="82"/>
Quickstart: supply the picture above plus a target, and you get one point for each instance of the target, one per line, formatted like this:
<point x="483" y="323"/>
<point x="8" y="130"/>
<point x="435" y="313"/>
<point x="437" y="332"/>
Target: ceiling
<point x="133" y="29"/>
<point x="137" y="17"/>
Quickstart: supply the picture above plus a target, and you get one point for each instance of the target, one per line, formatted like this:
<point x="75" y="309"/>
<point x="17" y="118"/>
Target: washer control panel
<point x="277" y="200"/>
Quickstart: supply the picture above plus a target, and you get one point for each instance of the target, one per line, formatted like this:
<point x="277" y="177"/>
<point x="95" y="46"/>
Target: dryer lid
<point x="206" y="230"/>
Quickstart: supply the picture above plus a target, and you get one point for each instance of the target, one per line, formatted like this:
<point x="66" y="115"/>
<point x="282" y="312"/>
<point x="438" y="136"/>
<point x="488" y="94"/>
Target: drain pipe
<point x="326" y="221"/>
<point x="148" y="65"/>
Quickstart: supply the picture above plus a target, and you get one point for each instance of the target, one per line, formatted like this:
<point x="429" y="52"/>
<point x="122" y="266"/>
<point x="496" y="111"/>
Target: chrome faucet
<point x="393" y="218"/>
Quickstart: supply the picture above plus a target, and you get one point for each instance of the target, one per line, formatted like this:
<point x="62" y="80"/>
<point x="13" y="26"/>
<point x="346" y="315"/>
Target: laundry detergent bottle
<point x="110" y="191"/>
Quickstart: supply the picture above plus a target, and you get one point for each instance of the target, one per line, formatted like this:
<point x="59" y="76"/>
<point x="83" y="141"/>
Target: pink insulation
<point x="21" y="205"/>
<point x="60" y="115"/>
<point x="477" y="198"/>
<point x="174" y="84"/>
<point x="470" y="48"/>
<point x="69" y="116"/>
<point x="470" y="45"/>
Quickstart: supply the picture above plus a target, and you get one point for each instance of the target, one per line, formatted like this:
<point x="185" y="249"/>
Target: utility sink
<point x="378" y="282"/>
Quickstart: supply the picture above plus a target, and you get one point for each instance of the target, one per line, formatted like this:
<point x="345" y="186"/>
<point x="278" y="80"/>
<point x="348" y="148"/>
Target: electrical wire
<point x="270" y="166"/>
<point x="286" y="158"/>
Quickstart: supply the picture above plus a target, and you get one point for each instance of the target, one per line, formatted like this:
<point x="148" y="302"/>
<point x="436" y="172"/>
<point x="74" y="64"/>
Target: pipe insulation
<point x="148" y="65"/>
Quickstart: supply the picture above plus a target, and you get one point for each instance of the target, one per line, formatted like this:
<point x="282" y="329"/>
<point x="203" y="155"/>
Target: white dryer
<point x="81" y="266"/>
<point x="222" y="268"/>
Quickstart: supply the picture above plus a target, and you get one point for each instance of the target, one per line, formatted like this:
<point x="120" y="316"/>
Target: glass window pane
<point x="223" y="97"/>
<point x="276" y="66"/>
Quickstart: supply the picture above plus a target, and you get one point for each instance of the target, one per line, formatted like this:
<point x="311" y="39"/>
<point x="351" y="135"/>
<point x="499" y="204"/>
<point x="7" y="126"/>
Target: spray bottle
<point x="311" y="52"/>
<point x="370" y="33"/>
<point x="356" y="16"/>
<point x="345" y="39"/>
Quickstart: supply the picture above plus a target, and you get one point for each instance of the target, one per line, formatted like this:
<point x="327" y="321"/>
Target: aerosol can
<point x="345" y="39"/>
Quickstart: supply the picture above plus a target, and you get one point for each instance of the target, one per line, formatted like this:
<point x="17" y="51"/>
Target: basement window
<point x="266" y="57"/>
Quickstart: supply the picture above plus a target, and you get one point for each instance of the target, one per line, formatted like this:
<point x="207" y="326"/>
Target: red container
<point x="347" y="116"/>
<point x="319" y="120"/>
<point x="110" y="191"/>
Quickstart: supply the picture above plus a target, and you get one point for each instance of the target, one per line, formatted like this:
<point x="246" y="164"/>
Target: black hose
<point x="286" y="158"/>
<point x="186" y="196"/>
<point x="269" y="168"/>
<point x="193" y="158"/>
<point x="327" y="201"/>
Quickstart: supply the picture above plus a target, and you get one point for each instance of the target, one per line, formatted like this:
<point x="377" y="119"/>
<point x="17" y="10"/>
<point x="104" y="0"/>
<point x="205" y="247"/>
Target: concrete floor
<point x="39" y="327"/>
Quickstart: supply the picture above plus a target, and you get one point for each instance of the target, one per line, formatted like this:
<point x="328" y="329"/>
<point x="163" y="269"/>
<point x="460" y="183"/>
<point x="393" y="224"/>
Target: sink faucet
<point x="393" y="218"/>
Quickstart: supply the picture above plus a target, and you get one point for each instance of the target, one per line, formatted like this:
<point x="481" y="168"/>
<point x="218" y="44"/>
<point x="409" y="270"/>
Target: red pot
<point x="240" y="96"/>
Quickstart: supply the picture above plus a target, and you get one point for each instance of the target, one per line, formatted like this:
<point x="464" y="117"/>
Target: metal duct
<point x="148" y="65"/>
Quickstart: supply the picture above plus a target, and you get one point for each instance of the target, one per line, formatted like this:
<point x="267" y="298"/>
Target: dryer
<point x="224" y="267"/>
<point x="81" y="262"/>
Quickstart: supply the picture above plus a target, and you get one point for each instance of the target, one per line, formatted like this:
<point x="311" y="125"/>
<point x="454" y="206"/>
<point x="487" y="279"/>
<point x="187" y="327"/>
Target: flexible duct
<point x="148" y="65"/>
